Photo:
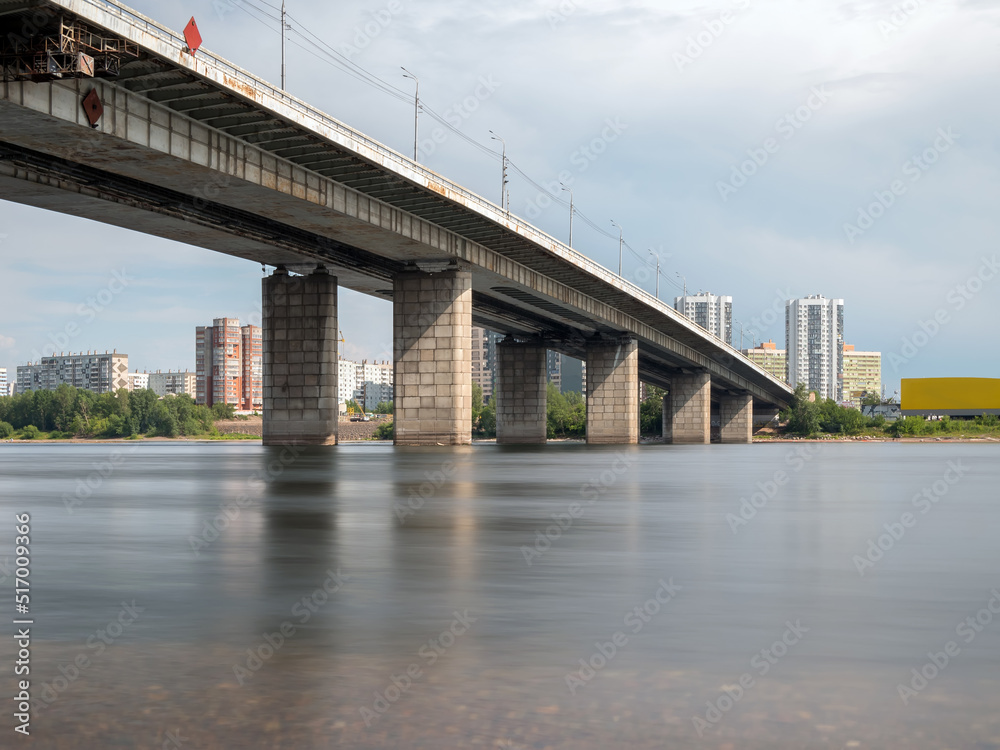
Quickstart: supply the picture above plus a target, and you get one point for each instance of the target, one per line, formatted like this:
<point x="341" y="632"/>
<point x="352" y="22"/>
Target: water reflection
<point x="508" y="566"/>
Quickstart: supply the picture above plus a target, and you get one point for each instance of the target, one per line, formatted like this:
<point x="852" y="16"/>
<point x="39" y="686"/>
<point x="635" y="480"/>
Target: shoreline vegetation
<point x="72" y="415"/>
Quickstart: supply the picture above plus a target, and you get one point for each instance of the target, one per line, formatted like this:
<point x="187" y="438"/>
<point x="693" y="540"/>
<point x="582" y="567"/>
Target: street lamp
<point x="685" y="283"/>
<point x="621" y="242"/>
<point x="416" y="107"/>
<point x="504" y="198"/>
<point x="741" y="333"/>
<point x="657" y="256"/>
<point x="570" y="191"/>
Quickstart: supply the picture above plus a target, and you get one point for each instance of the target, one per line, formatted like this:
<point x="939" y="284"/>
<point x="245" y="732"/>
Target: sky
<point x="764" y="150"/>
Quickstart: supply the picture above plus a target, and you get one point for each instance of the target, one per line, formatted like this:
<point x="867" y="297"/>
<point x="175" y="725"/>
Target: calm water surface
<point x="565" y="597"/>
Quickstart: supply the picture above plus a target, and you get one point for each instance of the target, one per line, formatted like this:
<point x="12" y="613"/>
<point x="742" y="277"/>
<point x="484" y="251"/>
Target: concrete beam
<point x="432" y="331"/>
<point x="613" y="392"/>
<point x="687" y="410"/>
<point x="520" y="393"/>
<point x="300" y="359"/>
<point x="736" y="418"/>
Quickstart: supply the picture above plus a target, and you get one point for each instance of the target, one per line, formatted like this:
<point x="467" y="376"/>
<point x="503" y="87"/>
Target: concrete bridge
<point x="108" y="115"/>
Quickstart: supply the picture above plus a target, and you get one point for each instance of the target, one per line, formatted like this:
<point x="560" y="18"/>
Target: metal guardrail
<point x="488" y="209"/>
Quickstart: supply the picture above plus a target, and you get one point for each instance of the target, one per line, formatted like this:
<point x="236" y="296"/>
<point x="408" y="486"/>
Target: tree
<point x="803" y="415"/>
<point x="384" y="431"/>
<point x="6" y="430"/>
<point x="384" y="407"/>
<point x="477" y="405"/>
<point x="651" y="412"/>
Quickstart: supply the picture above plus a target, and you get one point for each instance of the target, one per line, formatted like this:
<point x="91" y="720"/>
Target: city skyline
<point x="706" y="190"/>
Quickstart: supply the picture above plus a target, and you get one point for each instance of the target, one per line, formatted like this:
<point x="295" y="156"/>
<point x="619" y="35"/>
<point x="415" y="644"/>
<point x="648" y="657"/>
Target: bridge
<point x="107" y="115"/>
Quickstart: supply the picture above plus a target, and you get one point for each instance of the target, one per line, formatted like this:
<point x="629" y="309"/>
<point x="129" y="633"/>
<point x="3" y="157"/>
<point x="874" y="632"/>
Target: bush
<point x="384" y="431"/>
<point x="6" y="430"/>
<point x="30" y="432"/>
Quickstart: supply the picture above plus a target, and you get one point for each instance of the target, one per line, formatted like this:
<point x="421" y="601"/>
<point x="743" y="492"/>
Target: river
<point x="788" y="595"/>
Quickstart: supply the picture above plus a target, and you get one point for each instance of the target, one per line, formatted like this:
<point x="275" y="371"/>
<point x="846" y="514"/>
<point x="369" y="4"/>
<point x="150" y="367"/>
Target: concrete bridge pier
<point x="299" y="351"/>
<point x="520" y="393"/>
<point x="613" y="392"/>
<point x="432" y="330"/>
<point x="736" y="418"/>
<point x="687" y="410"/>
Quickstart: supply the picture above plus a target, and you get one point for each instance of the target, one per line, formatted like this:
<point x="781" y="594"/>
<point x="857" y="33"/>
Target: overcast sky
<point x="744" y="141"/>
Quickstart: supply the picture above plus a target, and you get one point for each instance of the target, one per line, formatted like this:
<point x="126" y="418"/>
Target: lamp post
<point x="570" y="191"/>
<point x="504" y="198"/>
<point x="416" y="107"/>
<point x="741" y="333"/>
<point x="685" y="283"/>
<point x="657" y="256"/>
<point x="621" y="243"/>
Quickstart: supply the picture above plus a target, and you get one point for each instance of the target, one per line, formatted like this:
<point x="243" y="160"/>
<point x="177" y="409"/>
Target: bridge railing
<point x="403" y="163"/>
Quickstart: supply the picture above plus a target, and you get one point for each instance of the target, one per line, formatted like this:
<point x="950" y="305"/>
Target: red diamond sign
<point x="192" y="36"/>
<point x="92" y="107"/>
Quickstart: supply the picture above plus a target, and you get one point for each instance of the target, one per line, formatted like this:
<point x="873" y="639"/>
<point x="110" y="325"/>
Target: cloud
<point x="6" y="342"/>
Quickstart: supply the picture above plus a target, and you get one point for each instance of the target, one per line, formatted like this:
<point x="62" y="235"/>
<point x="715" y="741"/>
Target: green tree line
<point x="74" y="412"/>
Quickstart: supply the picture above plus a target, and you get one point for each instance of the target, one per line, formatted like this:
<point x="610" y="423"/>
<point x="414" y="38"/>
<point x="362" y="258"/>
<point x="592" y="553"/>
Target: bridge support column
<point x="687" y="410"/>
<point x="432" y="331"/>
<point x="520" y="393"/>
<point x="299" y="356"/>
<point x="613" y="392"/>
<point x="736" y="418"/>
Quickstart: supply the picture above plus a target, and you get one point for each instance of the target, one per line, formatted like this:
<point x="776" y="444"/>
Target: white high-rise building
<point x="814" y="340"/>
<point x="4" y="391"/>
<point x="710" y="311"/>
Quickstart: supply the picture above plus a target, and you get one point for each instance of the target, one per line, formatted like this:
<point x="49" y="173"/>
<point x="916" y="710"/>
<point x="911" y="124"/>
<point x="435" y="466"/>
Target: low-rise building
<point x="374" y="384"/>
<point x="138" y="381"/>
<point x="98" y="373"/>
<point x="862" y="374"/>
<point x="770" y="358"/>
<point x="173" y="383"/>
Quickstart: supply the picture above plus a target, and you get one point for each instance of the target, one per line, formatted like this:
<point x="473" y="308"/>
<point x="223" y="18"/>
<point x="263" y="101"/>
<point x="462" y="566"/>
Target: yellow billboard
<point x="970" y="396"/>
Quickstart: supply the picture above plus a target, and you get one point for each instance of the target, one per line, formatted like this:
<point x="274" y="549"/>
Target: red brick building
<point x="228" y="365"/>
